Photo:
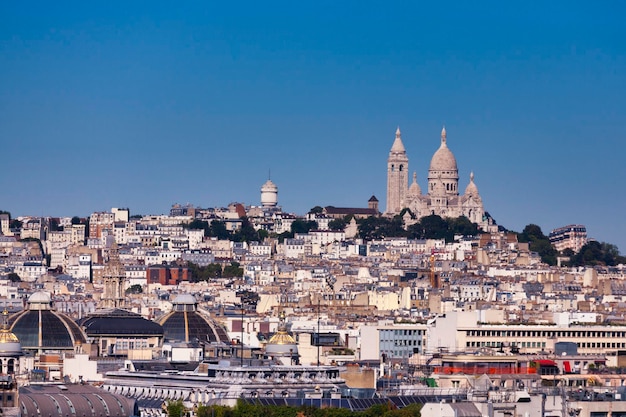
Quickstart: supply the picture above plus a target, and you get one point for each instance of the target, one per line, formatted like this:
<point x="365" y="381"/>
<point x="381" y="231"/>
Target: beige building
<point x="470" y="330"/>
<point x="573" y="236"/>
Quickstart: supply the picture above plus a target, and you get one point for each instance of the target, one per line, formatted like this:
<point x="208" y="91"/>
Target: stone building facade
<point x="442" y="196"/>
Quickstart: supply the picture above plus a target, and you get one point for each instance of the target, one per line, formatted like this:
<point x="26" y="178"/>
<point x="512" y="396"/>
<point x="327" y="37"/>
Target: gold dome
<point x="282" y="343"/>
<point x="282" y="338"/>
<point x="6" y="336"/>
<point x="9" y="343"/>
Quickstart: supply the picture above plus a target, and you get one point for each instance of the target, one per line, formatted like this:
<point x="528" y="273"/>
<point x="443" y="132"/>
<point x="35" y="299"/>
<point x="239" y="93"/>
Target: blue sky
<point x="142" y="105"/>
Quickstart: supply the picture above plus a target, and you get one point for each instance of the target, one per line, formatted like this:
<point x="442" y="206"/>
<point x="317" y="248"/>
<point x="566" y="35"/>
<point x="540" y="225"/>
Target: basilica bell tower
<point x="397" y="175"/>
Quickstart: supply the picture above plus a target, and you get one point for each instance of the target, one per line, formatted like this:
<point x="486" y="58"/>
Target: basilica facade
<point x="442" y="196"/>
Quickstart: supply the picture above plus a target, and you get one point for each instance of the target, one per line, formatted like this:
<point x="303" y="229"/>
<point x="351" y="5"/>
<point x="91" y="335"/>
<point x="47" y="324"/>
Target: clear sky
<point x="146" y="104"/>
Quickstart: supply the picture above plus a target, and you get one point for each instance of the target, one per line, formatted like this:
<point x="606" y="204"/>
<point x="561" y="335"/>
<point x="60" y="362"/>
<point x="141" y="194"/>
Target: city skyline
<point x="126" y="106"/>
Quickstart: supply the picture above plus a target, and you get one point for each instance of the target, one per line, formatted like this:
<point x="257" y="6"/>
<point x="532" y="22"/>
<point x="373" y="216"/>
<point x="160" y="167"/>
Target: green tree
<point x="337" y="224"/>
<point x="531" y="233"/>
<point x="284" y="235"/>
<point x="175" y="408"/>
<point x="246" y="232"/>
<point x="75" y="220"/>
<point x="538" y="242"/>
<point x="214" y="411"/>
<point x="545" y="250"/>
<point x="245" y="409"/>
<point x="197" y="224"/>
<point x="462" y="226"/>
<point x="233" y="270"/>
<point x="368" y="227"/>
<point x="302" y="226"/>
<point x="15" y="224"/>
<point x="263" y="234"/>
<point x="13" y="277"/>
<point x="134" y="289"/>
<point x="204" y="273"/>
<point x="316" y="210"/>
<point x="434" y="227"/>
<point x="218" y="230"/>
<point x="597" y="253"/>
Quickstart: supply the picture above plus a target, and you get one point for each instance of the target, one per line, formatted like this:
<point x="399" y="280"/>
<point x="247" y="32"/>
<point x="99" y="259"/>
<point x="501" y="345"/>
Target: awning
<point x="567" y="367"/>
<point x="546" y="362"/>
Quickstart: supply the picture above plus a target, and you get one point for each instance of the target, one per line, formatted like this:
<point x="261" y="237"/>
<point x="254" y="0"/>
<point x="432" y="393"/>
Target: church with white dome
<point x="442" y="196"/>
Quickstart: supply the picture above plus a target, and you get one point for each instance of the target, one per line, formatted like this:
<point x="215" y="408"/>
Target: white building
<point x="442" y="196"/>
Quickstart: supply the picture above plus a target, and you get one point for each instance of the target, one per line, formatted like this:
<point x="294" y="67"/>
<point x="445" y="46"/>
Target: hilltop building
<point x="269" y="194"/>
<point x="442" y="197"/>
<point x="573" y="236"/>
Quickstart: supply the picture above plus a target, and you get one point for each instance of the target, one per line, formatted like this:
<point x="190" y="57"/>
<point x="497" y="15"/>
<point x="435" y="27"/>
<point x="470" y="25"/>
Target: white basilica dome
<point x="443" y="159"/>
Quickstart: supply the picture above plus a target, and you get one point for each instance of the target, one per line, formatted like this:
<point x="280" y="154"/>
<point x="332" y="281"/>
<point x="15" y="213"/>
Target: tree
<point x="134" y="289"/>
<point x="538" y="242"/>
<point x="218" y="230"/>
<point x="175" y="408"/>
<point x="597" y="253"/>
<point x="370" y="227"/>
<point x="316" y="210"/>
<point x="263" y="234"/>
<point x="462" y="226"/>
<point x="15" y="224"/>
<point x="13" y="277"/>
<point x="531" y="233"/>
<point x="233" y="270"/>
<point x="204" y="273"/>
<point x="246" y="233"/>
<point x="434" y="227"/>
<point x="337" y="224"/>
<point x="197" y="224"/>
<point x="75" y="220"/>
<point x="302" y="226"/>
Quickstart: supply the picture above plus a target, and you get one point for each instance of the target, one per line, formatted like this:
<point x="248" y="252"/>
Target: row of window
<point x="405" y="342"/>
<point x="581" y="345"/>
<point x="131" y="344"/>
<point x="403" y="332"/>
<point x="497" y="344"/>
<point x="545" y="333"/>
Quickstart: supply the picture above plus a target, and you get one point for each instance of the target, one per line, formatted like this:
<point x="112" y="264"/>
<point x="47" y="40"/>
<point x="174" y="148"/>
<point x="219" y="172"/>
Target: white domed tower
<point x="443" y="169"/>
<point x="269" y="194"/>
<point x="397" y="175"/>
<point x="282" y="346"/>
<point x="10" y="348"/>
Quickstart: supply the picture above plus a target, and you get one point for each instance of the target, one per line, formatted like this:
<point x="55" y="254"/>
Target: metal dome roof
<point x="40" y="297"/>
<point x="120" y="322"/>
<point x="46" y="329"/>
<point x="187" y="326"/>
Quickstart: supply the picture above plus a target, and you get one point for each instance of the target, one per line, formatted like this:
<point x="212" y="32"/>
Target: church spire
<point x="398" y="146"/>
<point x="397" y="175"/>
<point x="443" y="135"/>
